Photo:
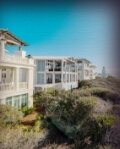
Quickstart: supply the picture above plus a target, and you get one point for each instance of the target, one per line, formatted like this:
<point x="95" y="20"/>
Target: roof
<point x="82" y="59"/>
<point x="53" y="58"/>
<point x="13" y="37"/>
<point x="50" y="57"/>
<point x="93" y="66"/>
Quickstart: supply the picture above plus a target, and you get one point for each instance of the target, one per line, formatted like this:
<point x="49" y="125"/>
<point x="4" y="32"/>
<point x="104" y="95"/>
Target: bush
<point x="93" y="130"/>
<point x="94" y="91"/>
<point x="18" y="139"/>
<point x="76" y="113"/>
<point x="9" y="114"/>
<point x="27" y="110"/>
<point x="84" y="84"/>
<point x="100" y="92"/>
<point x="42" y="122"/>
<point x="44" y="98"/>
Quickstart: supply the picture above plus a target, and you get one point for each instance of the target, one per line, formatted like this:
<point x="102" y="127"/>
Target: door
<point x="24" y="100"/>
<point x="17" y="102"/>
<point x="9" y="101"/>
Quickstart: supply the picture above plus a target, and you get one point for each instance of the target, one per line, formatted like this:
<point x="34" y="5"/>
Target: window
<point x="24" y="100"/>
<point x="23" y="75"/>
<point x="41" y="66"/>
<point x="9" y="101"/>
<point x="40" y="78"/>
<point x="57" y="78"/>
<point x="3" y="75"/>
<point x="18" y="101"/>
<point x="4" y="69"/>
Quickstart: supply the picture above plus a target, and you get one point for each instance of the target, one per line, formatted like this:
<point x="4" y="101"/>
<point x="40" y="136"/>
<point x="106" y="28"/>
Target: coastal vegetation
<point x="83" y="118"/>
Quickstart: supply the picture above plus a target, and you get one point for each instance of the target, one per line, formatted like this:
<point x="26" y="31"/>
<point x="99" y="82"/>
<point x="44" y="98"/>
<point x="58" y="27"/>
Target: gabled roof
<point x="92" y="66"/>
<point x="11" y="36"/>
<point x="53" y="58"/>
<point x="82" y="59"/>
<point x="50" y="57"/>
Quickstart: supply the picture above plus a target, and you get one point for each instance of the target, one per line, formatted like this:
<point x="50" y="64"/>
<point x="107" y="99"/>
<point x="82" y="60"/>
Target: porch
<point x="13" y="79"/>
<point x="11" y="86"/>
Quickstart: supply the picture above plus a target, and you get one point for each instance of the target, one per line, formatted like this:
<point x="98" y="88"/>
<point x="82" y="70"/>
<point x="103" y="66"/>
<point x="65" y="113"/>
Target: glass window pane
<point x="40" y="79"/>
<point x="9" y="101"/>
<point x="17" y="101"/>
<point x="41" y="65"/>
<point x="24" y="100"/>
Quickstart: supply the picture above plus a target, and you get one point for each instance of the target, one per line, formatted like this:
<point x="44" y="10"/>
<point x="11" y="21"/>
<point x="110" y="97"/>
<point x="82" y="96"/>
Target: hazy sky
<point x="63" y="30"/>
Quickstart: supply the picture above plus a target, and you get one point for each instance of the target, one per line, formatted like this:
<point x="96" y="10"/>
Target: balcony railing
<point x="17" y="59"/>
<point x="23" y="85"/>
<point x="11" y="86"/>
<point x="7" y="86"/>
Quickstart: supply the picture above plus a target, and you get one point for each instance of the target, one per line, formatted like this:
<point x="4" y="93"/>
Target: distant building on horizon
<point x="104" y="74"/>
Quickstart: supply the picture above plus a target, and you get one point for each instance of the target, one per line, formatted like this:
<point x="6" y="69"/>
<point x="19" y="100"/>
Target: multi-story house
<point x="86" y="70"/>
<point x="92" y="72"/>
<point x="58" y="72"/>
<point x="16" y="72"/>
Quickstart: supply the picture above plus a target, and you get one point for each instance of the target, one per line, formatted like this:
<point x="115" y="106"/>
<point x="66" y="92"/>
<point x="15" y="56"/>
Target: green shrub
<point x="100" y="92"/>
<point x="9" y="114"/>
<point x="94" y="91"/>
<point x="18" y="139"/>
<point x="42" y="123"/>
<point x="93" y="130"/>
<point x="74" y="113"/>
<point x="45" y="98"/>
<point x="80" y="93"/>
<point x="84" y="84"/>
<point x="27" y="110"/>
<point x="106" y="120"/>
<point x="25" y="128"/>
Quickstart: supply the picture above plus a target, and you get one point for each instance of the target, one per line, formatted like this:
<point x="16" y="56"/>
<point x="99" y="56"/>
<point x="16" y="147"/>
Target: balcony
<point x="17" y="59"/>
<point x="57" y="68"/>
<point x="11" y="86"/>
<point x="23" y="85"/>
<point x="7" y="87"/>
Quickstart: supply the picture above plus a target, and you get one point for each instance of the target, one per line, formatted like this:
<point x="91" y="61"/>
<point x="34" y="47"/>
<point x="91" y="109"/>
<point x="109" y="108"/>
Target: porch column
<point x="45" y="78"/>
<point x="65" y="73"/>
<point x="13" y="75"/>
<point x="17" y="78"/>
<point x="75" y="72"/>
<point x="30" y="78"/>
<point x="62" y="71"/>
<point x="2" y="47"/>
<point x="0" y="74"/>
<point x="69" y="74"/>
<point x="53" y="77"/>
<point x="83" y="70"/>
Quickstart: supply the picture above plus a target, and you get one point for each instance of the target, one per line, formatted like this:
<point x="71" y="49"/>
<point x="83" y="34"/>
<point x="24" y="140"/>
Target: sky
<point x="81" y="31"/>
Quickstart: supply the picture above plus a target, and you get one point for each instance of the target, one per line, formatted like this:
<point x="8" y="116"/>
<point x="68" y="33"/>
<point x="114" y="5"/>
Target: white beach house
<point x="92" y="71"/>
<point x="86" y="70"/>
<point x="16" y="72"/>
<point x="58" y="72"/>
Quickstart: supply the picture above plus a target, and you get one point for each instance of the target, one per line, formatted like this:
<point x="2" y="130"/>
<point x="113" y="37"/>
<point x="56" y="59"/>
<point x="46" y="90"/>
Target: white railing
<point x="23" y="85"/>
<point x="7" y="86"/>
<point x="17" y="59"/>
